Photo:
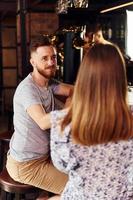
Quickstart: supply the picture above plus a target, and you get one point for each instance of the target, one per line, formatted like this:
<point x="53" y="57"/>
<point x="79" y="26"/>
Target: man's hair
<point x="97" y="28"/>
<point x="93" y="28"/>
<point x="38" y="41"/>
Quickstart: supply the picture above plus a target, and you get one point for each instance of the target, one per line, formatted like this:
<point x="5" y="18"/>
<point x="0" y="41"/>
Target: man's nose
<point x="50" y="61"/>
<point x="93" y="38"/>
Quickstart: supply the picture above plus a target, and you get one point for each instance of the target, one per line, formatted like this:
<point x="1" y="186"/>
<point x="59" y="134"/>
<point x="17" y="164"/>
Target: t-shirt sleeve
<point x="54" y="86"/>
<point x="28" y="95"/>
<point x="59" y="142"/>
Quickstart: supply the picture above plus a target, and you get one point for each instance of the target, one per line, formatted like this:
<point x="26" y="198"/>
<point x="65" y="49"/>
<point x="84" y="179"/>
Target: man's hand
<point x="68" y="101"/>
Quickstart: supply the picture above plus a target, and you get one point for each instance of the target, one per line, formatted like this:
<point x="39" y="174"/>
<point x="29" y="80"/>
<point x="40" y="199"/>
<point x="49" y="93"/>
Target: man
<point x="93" y="35"/>
<point x="28" y="158"/>
<point x="98" y="35"/>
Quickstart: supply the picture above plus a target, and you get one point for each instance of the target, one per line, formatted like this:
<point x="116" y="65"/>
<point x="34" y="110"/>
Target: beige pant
<point x="40" y="173"/>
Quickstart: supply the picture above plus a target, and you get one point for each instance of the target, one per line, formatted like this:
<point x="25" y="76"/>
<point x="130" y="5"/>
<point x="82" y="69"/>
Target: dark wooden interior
<point x="22" y="19"/>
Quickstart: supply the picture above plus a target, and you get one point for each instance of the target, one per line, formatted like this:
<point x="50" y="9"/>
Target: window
<point x="130" y="33"/>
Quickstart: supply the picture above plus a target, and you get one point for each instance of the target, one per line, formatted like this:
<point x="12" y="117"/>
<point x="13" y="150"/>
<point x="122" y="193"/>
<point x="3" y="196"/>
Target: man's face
<point x="97" y="37"/>
<point x="44" y="60"/>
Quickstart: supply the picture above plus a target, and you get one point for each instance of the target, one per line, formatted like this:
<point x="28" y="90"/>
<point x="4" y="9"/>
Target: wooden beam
<point x="8" y="6"/>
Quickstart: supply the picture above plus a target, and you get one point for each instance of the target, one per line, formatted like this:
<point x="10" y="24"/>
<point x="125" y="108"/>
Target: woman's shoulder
<point x="58" y="114"/>
<point x="56" y="119"/>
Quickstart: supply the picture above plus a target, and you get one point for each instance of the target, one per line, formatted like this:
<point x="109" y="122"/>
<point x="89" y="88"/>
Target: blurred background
<point x="66" y="22"/>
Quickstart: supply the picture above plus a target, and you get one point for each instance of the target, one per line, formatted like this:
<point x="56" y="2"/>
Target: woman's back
<point x="103" y="171"/>
<point x="98" y="172"/>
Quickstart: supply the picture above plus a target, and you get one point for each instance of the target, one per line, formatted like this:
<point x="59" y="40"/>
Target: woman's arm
<point x="59" y="142"/>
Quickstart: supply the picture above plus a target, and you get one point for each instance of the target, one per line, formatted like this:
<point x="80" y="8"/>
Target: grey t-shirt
<point x="29" y="141"/>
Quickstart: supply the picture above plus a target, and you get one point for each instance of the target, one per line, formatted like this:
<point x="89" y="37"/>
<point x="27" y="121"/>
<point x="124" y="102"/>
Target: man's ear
<point x="32" y="62"/>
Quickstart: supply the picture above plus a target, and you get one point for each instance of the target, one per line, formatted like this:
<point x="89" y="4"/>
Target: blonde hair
<point x="99" y="112"/>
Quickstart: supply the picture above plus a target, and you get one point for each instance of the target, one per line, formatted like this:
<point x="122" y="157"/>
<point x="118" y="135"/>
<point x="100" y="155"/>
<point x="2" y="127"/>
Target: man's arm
<point x="38" y="114"/>
<point x="64" y="93"/>
<point x="65" y="89"/>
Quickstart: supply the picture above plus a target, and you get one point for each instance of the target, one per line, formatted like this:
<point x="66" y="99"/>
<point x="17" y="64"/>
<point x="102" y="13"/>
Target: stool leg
<point x="19" y="196"/>
<point x="1" y="155"/>
<point x="10" y="196"/>
<point x="6" y="195"/>
<point x="3" y="195"/>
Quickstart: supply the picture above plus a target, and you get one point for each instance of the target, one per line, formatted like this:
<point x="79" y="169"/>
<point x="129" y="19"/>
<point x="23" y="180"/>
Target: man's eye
<point x="54" y="57"/>
<point x="44" y="59"/>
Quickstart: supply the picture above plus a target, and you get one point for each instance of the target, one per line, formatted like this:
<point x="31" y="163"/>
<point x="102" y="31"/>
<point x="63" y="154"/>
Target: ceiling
<point x="9" y="7"/>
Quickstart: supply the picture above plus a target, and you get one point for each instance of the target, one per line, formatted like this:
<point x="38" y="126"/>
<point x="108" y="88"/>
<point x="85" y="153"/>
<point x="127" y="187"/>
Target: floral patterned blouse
<point x="100" y="172"/>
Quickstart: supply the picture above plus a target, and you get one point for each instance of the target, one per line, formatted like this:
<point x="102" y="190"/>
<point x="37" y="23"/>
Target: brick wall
<point x="45" y="23"/>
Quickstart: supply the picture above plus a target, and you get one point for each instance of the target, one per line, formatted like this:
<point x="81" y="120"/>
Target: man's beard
<point x="45" y="74"/>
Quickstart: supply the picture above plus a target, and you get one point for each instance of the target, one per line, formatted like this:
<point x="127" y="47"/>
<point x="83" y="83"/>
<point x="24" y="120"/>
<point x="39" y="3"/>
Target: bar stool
<point x="12" y="189"/>
<point x="9" y="187"/>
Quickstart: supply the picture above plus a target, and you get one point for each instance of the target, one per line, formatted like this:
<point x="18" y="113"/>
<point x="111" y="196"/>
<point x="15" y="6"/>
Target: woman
<point x="92" y="141"/>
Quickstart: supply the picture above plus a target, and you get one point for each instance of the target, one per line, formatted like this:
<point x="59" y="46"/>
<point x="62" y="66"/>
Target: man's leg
<point x="40" y="173"/>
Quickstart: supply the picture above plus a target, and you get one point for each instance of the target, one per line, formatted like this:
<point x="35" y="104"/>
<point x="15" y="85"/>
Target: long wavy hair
<point x="99" y="112"/>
